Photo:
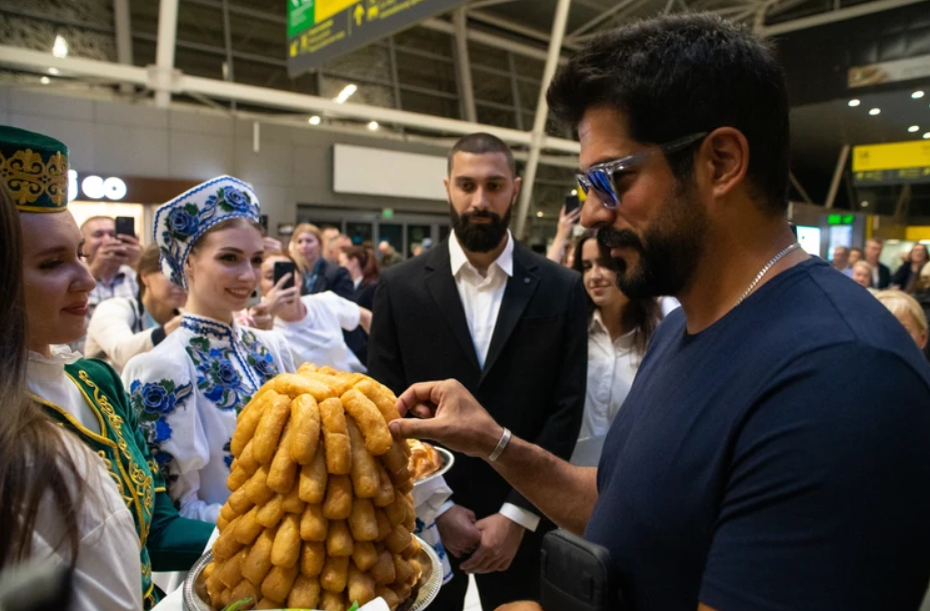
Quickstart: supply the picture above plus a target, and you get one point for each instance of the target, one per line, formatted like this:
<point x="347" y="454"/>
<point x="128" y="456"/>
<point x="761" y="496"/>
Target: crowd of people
<point x="645" y="385"/>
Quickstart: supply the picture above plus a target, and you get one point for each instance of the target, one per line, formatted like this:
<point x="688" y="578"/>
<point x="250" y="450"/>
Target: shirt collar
<point x="458" y="260"/>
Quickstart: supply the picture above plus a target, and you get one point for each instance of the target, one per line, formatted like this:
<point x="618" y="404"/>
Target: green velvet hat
<point x="34" y="168"/>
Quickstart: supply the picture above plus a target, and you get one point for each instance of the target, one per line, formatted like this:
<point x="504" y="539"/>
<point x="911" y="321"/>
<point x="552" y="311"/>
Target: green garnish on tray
<point x="236" y="606"/>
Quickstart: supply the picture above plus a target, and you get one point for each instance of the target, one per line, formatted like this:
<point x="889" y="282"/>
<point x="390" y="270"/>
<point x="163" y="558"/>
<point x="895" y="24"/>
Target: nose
<point x="83" y="281"/>
<point x="594" y="214"/>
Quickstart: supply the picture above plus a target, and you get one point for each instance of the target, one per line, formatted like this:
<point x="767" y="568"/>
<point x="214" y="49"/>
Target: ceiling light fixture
<point x="53" y="71"/>
<point x="314" y="120"/>
<point x="345" y="94"/>
<point x="913" y="128"/>
<point x="539" y="214"/>
<point x="60" y="48"/>
<point x="574" y="191"/>
<point x="875" y="111"/>
<point x="854" y="103"/>
<point x="865" y="204"/>
<point x="373" y="126"/>
<point x="45" y="80"/>
<point x="926" y="135"/>
<point x="917" y="94"/>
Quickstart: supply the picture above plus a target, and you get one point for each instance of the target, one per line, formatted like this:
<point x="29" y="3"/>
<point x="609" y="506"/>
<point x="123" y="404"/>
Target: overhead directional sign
<point x="890" y="164"/>
<point x="320" y="29"/>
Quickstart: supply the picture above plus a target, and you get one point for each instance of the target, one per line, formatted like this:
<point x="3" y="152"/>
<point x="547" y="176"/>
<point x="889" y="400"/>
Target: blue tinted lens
<point x="602" y="185"/>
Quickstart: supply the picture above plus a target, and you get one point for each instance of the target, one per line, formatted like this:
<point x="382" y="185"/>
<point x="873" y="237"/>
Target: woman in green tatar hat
<point x="85" y="396"/>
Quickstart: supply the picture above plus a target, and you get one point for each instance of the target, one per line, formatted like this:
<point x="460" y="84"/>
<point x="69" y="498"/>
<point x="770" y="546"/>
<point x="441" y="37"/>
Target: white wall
<point x="115" y="137"/>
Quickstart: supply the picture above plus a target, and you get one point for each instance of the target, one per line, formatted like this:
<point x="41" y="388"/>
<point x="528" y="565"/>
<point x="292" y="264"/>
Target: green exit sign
<point x="841" y="219"/>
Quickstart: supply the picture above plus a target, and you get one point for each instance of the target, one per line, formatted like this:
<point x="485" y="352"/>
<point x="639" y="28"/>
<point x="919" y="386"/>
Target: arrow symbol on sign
<point x="359" y="14"/>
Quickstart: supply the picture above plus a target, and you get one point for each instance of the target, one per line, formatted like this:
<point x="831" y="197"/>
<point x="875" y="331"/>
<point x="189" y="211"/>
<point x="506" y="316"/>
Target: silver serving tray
<point x="427" y="587"/>
<point x="447" y="459"/>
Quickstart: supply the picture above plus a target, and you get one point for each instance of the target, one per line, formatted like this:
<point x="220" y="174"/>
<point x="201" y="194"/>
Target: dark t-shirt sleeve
<point x="814" y="461"/>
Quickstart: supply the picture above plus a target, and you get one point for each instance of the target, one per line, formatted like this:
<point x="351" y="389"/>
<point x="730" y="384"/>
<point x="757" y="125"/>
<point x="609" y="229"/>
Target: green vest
<point x="175" y="542"/>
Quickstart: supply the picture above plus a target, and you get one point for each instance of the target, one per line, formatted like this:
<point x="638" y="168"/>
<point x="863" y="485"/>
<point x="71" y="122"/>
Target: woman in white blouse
<point x="619" y="329"/>
<point x="123" y="327"/>
<point x="313" y="324"/>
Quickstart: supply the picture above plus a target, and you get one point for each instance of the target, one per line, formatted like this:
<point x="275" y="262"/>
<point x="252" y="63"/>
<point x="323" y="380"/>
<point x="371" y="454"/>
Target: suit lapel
<point x="517" y="294"/>
<point x="441" y="286"/>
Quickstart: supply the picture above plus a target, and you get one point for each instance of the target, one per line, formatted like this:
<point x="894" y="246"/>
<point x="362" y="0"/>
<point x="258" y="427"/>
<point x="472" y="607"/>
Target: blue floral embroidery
<point x="227" y="454"/>
<point x="153" y="402"/>
<point x="157" y="398"/>
<point x="216" y="375"/>
<point x="259" y="357"/>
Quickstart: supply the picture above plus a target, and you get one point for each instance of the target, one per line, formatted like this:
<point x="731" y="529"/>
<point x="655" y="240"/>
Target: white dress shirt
<point x="481" y="299"/>
<point x="612" y="365"/>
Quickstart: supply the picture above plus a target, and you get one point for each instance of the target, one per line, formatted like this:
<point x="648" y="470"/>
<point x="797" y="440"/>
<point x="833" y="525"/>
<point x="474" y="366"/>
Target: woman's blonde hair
<point x="901" y="304"/>
<point x="292" y="245"/>
<point x="862" y="263"/>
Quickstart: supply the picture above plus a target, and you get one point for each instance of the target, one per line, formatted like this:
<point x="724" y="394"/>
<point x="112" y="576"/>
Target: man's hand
<point x="458" y="532"/>
<point x="448" y="415"/>
<point x="131" y="249"/>
<point x="523" y="605"/>
<point x="107" y="260"/>
<point x="500" y="540"/>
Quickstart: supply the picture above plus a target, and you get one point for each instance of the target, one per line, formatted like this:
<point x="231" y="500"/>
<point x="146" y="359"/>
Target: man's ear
<point x="725" y="154"/>
<point x="517" y="185"/>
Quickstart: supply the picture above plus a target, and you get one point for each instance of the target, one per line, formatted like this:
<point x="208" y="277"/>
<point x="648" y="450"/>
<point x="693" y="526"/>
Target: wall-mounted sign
<point x="841" y="219"/>
<point x="890" y="164"/>
<point x="95" y="187"/>
<point x="320" y="29"/>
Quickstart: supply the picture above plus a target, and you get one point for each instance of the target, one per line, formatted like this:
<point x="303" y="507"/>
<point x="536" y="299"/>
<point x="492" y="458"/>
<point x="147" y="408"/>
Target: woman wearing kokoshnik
<point x="189" y="389"/>
<point x="84" y="396"/>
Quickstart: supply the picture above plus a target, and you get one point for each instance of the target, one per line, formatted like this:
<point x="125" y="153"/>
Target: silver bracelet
<point x="501" y="445"/>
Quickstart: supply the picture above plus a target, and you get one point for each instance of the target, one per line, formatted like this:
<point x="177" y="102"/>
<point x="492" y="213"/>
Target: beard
<point x="668" y="253"/>
<point x="480" y="238"/>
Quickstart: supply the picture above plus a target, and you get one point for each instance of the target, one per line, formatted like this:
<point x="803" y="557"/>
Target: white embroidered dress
<point x="188" y="391"/>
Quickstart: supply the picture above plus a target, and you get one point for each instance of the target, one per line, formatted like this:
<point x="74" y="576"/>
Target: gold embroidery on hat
<point x="29" y="178"/>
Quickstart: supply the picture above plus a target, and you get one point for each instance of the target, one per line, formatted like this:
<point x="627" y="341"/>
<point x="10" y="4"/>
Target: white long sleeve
<point x="111" y="332"/>
<point x="107" y="572"/>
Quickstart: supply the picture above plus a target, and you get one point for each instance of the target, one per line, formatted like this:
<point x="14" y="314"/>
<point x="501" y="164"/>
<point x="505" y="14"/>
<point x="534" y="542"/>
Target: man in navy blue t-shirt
<point x="774" y="450"/>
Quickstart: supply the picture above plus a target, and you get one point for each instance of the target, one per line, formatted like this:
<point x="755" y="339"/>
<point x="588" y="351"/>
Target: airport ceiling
<point x="507" y="47"/>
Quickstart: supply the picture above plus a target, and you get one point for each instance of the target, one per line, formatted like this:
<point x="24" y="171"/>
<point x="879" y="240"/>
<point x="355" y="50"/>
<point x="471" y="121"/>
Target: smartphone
<point x="126" y="225"/>
<point x="263" y="220"/>
<point x="281" y="269"/>
<point x="572" y="203"/>
<point x="577" y="575"/>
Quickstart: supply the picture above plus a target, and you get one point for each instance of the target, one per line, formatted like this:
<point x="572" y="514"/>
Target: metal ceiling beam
<point x="164" y="48"/>
<point x="600" y="18"/>
<point x="860" y="10"/>
<point x="486" y="3"/>
<point x="263" y="97"/>
<point x="513" y="26"/>
<point x="542" y="112"/>
<point x="463" y="65"/>
<point x="490" y="40"/>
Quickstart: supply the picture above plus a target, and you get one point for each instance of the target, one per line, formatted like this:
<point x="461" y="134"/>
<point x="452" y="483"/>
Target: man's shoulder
<point x="410" y="270"/>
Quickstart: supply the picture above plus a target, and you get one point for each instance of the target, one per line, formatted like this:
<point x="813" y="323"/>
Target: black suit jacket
<point x="333" y="278"/>
<point x="884" y="277"/>
<point x="534" y="377"/>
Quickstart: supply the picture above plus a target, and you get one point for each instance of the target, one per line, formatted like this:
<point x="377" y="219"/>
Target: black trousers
<point x="519" y="582"/>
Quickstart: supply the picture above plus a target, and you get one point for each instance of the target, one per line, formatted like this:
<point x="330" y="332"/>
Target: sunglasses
<point x="600" y="178"/>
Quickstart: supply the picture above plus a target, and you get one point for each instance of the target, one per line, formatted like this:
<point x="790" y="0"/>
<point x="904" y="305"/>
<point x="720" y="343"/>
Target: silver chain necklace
<point x="766" y="269"/>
